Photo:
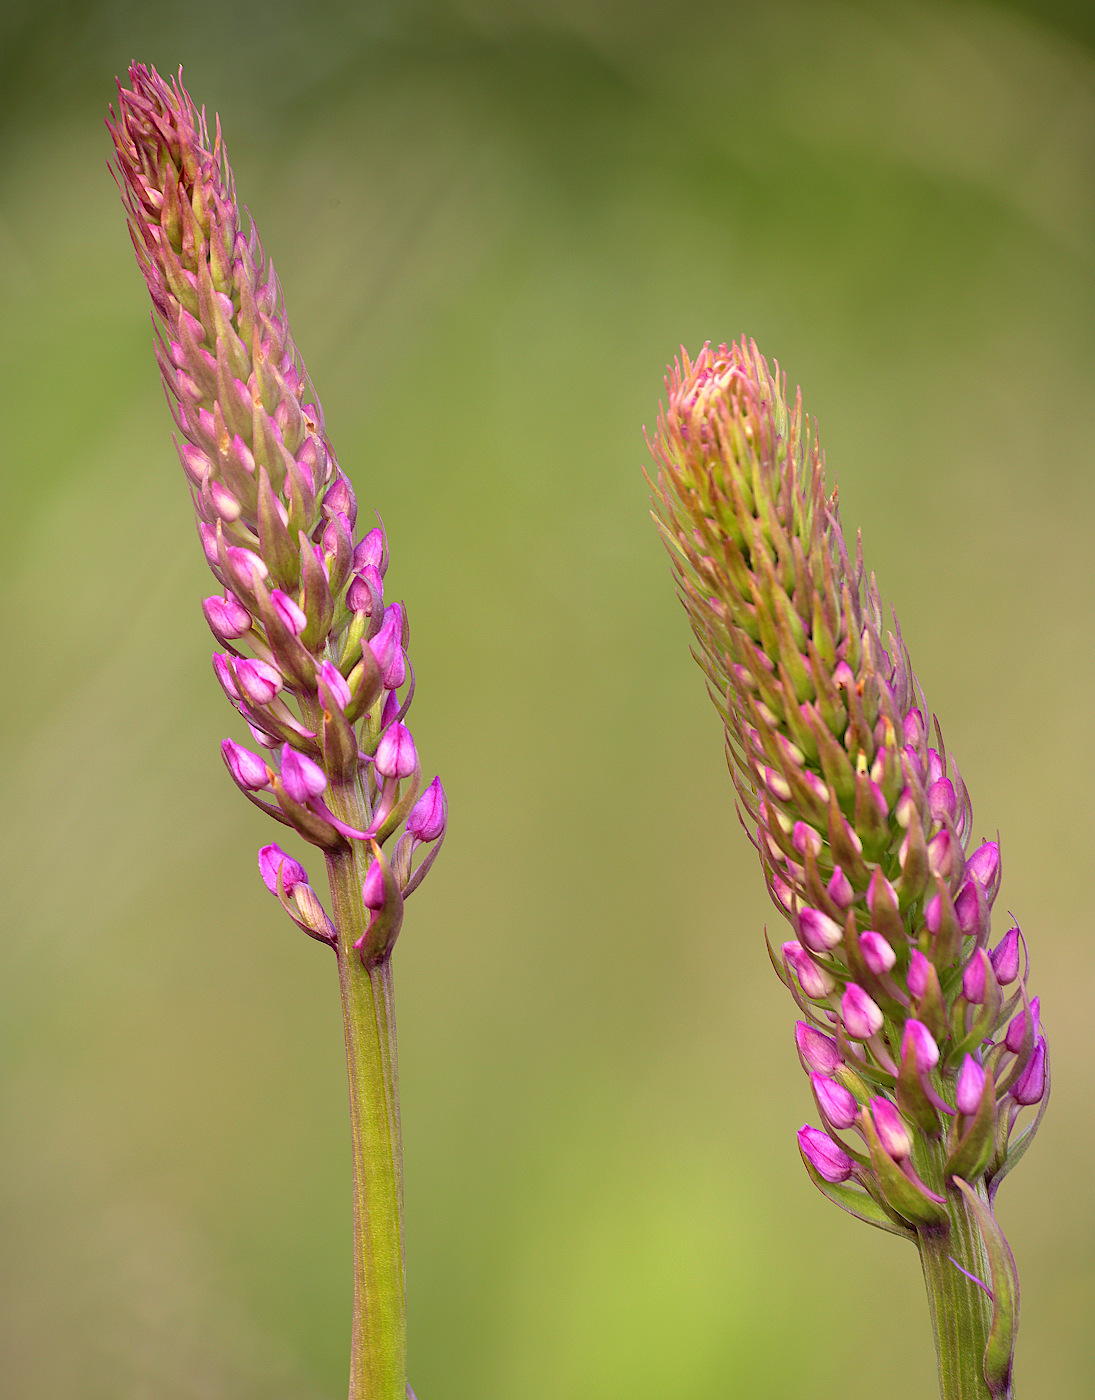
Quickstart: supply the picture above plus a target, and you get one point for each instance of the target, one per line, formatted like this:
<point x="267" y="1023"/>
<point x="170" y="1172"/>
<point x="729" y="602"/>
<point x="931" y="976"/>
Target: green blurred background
<point x="495" y="222"/>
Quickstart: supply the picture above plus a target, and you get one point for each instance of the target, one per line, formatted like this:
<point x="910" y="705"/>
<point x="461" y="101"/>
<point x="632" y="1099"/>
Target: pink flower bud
<point x="892" y="1133"/>
<point x="227" y="617"/>
<point x="835" y="1102"/>
<point x="804" y="838"/>
<point x="971" y="1085"/>
<point x="301" y="778"/>
<point x="984" y="863"/>
<point x="258" y="681"/>
<point x="940" y="854"/>
<point x="941" y="800"/>
<point x="877" y="953"/>
<point x="1005" y="957"/>
<point x="839" y="889"/>
<point x="333" y="679"/>
<point x="271" y="860"/>
<point x="291" y="615"/>
<point x="920" y="1041"/>
<point x="395" y="754"/>
<point x="913" y="728"/>
<point x="814" y="981"/>
<point x="974" y="977"/>
<point x="1031" y="1084"/>
<point x="817" y="1052"/>
<point x="429" y="814"/>
<point x="935" y="767"/>
<point x="819" y="932"/>
<point x="373" y="894"/>
<point x="918" y="974"/>
<point x="387" y="647"/>
<point x="373" y="550"/>
<point x="246" y="566"/>
<point x="223" y="670"/>
<point x="1018" y="1027"/>
<point x="248" y="770"/>
<point x="862" y="1018"/>
<point x="366" y="591"/>
<point x="830" y="1163"/>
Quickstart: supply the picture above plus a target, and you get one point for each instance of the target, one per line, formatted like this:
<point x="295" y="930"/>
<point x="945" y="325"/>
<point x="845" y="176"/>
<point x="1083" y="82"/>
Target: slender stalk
<point x="378" y="1355"/>
<point x="961" y="1311"/>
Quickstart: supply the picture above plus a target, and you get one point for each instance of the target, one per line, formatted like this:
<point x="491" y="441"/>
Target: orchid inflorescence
<point x="918" y="1036"/>
<point x="313" y="660"/>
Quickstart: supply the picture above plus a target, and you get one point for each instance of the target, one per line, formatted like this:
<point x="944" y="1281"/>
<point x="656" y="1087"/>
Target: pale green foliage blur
<point x="495" y="221"/>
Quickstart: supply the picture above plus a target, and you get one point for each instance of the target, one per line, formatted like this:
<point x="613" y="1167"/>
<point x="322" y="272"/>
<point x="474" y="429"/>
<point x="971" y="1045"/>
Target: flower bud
<point x="227" y="617"/>
<point x="918" y="974"/>
<point x="941" y="800"/>
<point x="258" y="681"/>
<point x="818" y="1052"/>
<point x="301" y="777"/>
<point x="913" y="728"/>
<point x="271" y="860"/>
<point x="1005" y="957"/>
<point x="819" y="933"/>
<point x="429" y="814"/>
<point x="373" y="890"/>
<point x="984" y="863"/>
<point x="335" y="682"/>
<point x="822" y="1153"/>
<point x="373" y="550"/>
<point x="247" y="768"/>
<point x="970" y="1087"/>
<point x="839" y="889"/>
<point x="921" y="1042"/>
<point x="862" y="1018"/>
<point x="222" y="668"/>
<point x="395" y="754"/>
<point x="974" y="977"/>
<point x="246" y="567"/>
<point x="835" y="1102"/>
<point x="1031" y="1084"/>
<point x="291" y="615"/>
<point x="877" y="953"/>
<point x="892" y="1133"/>
<point x="387" y="647"/>
<point x="814" y="981"/>
<point x="1017" y="1029"/>
<point x="366" y="591"/>
<point x="804" y="838"/>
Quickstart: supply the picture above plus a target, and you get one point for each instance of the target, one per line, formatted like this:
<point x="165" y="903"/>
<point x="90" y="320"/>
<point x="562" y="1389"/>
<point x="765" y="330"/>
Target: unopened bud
<point x="273" y="859"/>
<point x="835" y="1102"/>
<point x="830" y="1163"/>
<point x="862" y="1018"/>
<point x="970" y="1087"/>
<point x="892" y="1133"/>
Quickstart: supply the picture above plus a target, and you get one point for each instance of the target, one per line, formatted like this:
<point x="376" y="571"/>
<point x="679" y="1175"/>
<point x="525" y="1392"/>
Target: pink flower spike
<point x="819" y="932"/>
<point x="258" y="681"/>
<point x="920" y="1040"/>
<point x="301" y="778"/>
<point x="227" y="617"/>
<point x="334" y="681"/>
<point x="862" y="1018"/>
<point x="971" y="1085"/>
<point x="835" y="1102"/>
<point x="822" y="1153"/>
<point x="429" y="815"/>
<point x="271" y="860"/>
<point x="395" y="754"/>
<point x="892" y="1133"/>
<point x="877" y="953"/>
<point x="816" y="1051"/>
<point x="248" y="770"/>
<point x="288" y="611"/>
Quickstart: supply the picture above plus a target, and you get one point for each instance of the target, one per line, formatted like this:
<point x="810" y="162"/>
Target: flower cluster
<point x="917" y="1034"/>
<point x="313" y="659"/>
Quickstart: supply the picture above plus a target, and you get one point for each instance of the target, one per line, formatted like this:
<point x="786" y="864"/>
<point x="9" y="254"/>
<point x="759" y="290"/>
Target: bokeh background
<point x="495" y="222"/>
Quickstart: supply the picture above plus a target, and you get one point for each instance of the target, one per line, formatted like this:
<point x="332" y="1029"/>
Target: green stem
<point x="961" y="1311"/>
<point x="378" y="1355"/>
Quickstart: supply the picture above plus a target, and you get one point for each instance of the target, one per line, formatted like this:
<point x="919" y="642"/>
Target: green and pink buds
<point x="312" y="660"/>
<point x="863" y="826"/>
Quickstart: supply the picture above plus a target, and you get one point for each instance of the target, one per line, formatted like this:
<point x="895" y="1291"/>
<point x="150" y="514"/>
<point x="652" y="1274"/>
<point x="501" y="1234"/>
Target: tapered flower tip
<point x="395" y="754"/>
<point x="1031" y="1084"/>
<point x="373" y="550"/>
<point x="301" y="777"/>
<point x="818" y="1052"/>
<point x="822" y="1153"/>
<point x="819" y="933"/>
<point x="920" y="1041"/>
<point x="247" y="768"/>
<point x="227" y="617"/>
<point x="430" y="813"/>
<point x="835" y="1102"/>
<point x="892" y="1133"/>
<point x="877" y="953"/>
<point x="970" y="1086"/>
<point x="1005" y="957"/>
<point x="271" y="860"/>
<point x="814" y="981"/>
<point x="862" y="1018"/>
<point x="918" y="974"/>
